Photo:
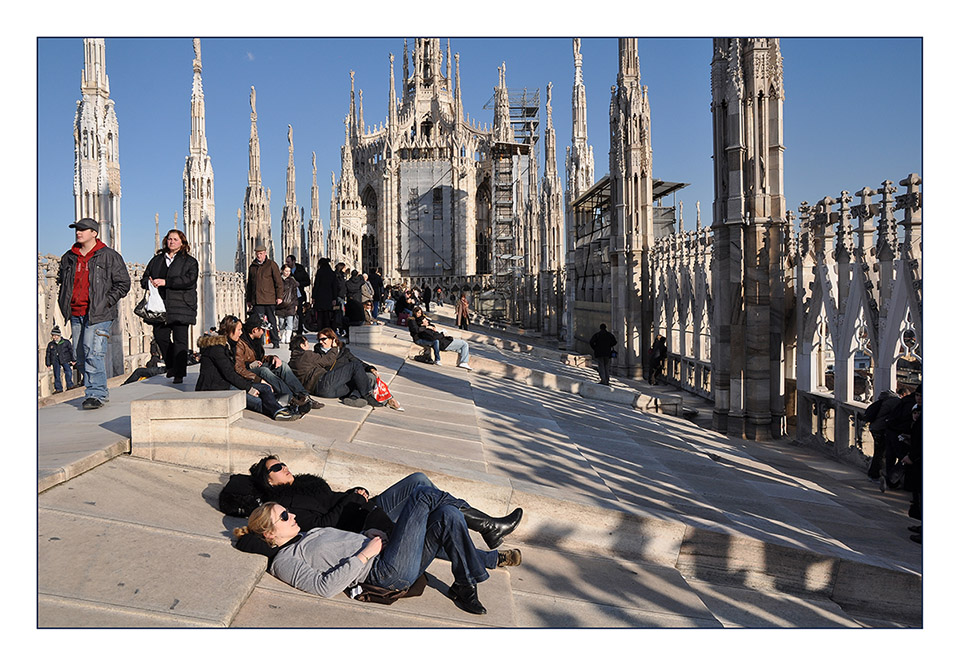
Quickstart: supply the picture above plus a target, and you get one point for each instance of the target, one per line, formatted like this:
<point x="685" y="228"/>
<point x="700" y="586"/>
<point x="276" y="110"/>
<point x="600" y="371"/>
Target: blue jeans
<point x="281" y="380"/>
<point x="429" y="523"/>
<point x="462" y="348"/>
<point x="428" y="344"/>
<point x="392" y="500"/>
<point x="90" y="342"/>
<point x="287" y="323"/>
<point x="67" y="371"/>
<point x="266" y="403"/>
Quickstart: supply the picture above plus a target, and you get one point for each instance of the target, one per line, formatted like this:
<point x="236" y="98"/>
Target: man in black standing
<point x="264" y="290"/>
<point x="376" y="281"/>
<point x="658" y="358"/>
<point x="602" y="344"/>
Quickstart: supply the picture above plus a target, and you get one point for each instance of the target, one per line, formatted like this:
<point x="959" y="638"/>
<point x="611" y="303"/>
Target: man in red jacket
<point x="92" y="278"/>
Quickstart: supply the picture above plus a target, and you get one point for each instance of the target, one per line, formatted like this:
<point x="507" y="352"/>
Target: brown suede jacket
<point x="247" y="354"/>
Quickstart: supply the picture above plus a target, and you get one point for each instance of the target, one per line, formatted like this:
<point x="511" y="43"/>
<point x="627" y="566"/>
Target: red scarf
<point x="80" y="299"/>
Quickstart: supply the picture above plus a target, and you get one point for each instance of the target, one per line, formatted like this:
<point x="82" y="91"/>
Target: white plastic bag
<point x="154" y="302"/>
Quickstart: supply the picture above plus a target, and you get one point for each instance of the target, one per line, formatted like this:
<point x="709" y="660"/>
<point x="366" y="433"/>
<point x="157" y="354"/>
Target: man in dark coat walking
<point x="658" y="356"/>
<point x="876" y="415"/>
<point x="602" y="344"/>
<point x="265" y="291"/>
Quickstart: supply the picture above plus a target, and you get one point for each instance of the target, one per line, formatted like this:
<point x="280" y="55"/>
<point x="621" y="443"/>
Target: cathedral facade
<point x="432" y="196"/>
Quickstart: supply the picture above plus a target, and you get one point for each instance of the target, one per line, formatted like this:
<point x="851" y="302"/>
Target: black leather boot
<point x="465" y="597"/>
<point x="493" y="530"/>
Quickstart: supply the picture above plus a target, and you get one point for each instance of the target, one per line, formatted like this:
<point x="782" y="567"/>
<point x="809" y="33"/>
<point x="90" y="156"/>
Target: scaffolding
<point x="506" y="260"/>
<point x="525" y="123"/>
<point x="524" y="114"/>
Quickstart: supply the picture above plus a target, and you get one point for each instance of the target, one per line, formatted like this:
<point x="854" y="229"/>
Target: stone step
<point x="553" y="517"/>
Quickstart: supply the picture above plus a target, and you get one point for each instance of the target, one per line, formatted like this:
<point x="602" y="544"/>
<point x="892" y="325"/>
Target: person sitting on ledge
<point x="425" y="334"/>
<point x="218" y="372"/>
<point x="368" y="318"/>
<point x="254" y="364"/>
<point x="332" y="371"/>
<point x="326" y="561"/>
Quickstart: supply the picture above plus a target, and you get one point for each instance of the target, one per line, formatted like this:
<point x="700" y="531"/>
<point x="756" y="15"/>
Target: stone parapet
<point x="365" y="335"/>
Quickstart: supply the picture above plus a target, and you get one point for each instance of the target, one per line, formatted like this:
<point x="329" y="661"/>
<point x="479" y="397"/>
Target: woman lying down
<point x="326" y="561"/>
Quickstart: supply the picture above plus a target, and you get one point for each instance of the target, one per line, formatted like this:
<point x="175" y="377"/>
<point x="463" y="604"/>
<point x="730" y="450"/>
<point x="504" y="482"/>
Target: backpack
<point x="239" y="497"/>
<point x="311" y="320"/>
<point x="424" y="357"/>
<point x="873" y="411"/>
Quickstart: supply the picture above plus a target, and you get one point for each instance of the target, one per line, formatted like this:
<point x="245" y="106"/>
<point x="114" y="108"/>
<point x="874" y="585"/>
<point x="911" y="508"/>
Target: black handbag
<point x="382" y="595"/>
<point x="149" y="316"/>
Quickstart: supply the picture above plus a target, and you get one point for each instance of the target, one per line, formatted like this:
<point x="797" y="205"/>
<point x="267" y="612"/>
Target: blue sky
<point x="842" y="129"/>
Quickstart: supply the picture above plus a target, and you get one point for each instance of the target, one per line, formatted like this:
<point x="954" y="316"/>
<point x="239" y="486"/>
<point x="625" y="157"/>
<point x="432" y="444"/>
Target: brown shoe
<point x="510" y="557"/>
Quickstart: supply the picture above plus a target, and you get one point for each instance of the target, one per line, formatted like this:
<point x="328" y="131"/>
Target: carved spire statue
<point x="392" y="102"/>
<point x="256" y="202"/>
<point x="96" y="134"/>
<point x="291" y="224"/>
<point x="198" y="200"/>
<point x="353" y="105"/>
<point x="502" y="129"/>
<point x="361" y="128"/>
<point x="315" y="247"/>
<point x="448" y="62"/>
<point x="458" y="100"/>
<point x="580" y="164"/>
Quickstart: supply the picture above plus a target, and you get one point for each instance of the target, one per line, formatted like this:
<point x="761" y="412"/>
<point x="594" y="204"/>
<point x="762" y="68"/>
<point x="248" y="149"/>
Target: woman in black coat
<point x="174" y="273"/>
<point x="325" y="294"/>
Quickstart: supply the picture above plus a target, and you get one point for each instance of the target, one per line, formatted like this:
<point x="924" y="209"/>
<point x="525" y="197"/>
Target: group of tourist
<point x="318" y="540"/>
<point x="897" y="428"/>
<point x="343" y="297"/>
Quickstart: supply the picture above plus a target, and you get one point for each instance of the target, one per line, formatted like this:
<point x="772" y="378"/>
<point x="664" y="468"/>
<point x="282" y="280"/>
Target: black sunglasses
<point x="284" y="516"/>
<point x="322" y="339"/>
<point x="276" y="468"/>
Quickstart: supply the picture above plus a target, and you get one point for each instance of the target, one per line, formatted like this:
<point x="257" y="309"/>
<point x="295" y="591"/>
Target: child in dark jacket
<point x="60" y="356"/>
